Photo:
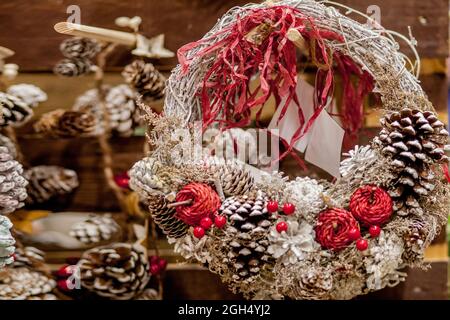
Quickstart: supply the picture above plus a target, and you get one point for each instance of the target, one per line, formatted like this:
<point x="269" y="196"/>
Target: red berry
<point x="220" y="221"/>
<point x="154" y="259"/>
<point x="206" y="223"/>
<point x="162" y="263"/>
<point x="65" y="271"/>
<point x="199" y="232"/>
<point x="272" y="206"/>
<point x="374" y="231"/>
<point x="155" y="269"/>
<point x="354" y="234"/>
<point x="282" y="226"/>
<point x="63" y="285"/>
<point x="288" y="209"/>
<point x="362" y="244"/>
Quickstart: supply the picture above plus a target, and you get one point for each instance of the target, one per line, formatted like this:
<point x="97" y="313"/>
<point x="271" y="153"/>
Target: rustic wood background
<point x="26" y="26"/>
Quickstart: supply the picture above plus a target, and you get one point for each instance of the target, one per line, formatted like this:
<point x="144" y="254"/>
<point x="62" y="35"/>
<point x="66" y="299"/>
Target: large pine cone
<point x="12" y="183"/>
<point x="6" y="142"/>
<point x="250" y="222"/>
<point x="234" y="179"/>
<point x="76" y="47"/>
<point x="415" y="140"/>
<point x="15" y="111"/>
<point x="118" y="272"/>
<point x="73" y="67"/>
<point x="45" y="182"/>
<point x="95" y="229"/>
<point x="28" y="93"/>
<point x="30" y="257"/>
<point x="145" y="79"/>
<point x="24" y="284"/>
<point x="165" y="217"/>
<point x="6" y="242"/>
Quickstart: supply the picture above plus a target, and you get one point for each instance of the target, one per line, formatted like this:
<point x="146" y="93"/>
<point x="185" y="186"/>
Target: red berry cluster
<point x="288" y="209"/>
<point x="206" y="223"/>
<point x="157" y="265"/>
<point x="63" y="275"/>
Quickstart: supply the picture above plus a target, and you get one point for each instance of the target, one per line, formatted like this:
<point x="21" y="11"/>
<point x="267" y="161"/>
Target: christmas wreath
<point x="271" y="237"/>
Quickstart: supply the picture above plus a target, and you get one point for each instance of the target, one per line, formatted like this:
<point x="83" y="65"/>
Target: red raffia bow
<point x="225" y="92"/>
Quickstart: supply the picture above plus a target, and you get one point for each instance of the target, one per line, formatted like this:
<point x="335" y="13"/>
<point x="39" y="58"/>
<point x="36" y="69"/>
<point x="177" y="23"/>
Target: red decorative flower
<point x="204" y="203"/>
<point x="371" y="205"/>
<point x="333" y="228"/>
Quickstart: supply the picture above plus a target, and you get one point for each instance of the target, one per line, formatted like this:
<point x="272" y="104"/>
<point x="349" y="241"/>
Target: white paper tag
<point x="325" y="144"/>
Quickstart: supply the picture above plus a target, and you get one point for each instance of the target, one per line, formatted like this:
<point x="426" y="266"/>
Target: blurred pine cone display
<point x="73" y="67"/>
<point x="6" y="142"/>
<point x="95" y="229"/>
<point x="67" y="124"/>
<point x="77" y="47"/>
<point x="12" y="183"/>
<point x="28" y="93"/>
<point x="24" y="284"/>
<point x="118" y="272"/>
<point x="122" y="112"/>
<point x="15" y="112"/>
<point x="145" y="79"/>
<point x="46" y="182"/>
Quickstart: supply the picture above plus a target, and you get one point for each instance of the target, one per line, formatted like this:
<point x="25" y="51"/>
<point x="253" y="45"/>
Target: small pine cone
<point x="24" y="284"/>
<point x="46" y="182"/>
<point x="12" y="183"/>
<point x="118" y="272"/>
<point x="77" y="47"/>
<point x="414" y="140"/>
<point x="28" y="93"/>
<point x="250" y="222"/>
<point x="165" y="217"/>
<point x="28" y="257"/>
<point x="233" y="178"/>
<point x="145" y="79"/>
<point x="15" y="112"/>
<point x="48" y="122"/>
<point x="66" y="124"/>
<point x="122" y="110"/>
<point x="95" y="229"/>
<point x="73" y="67"/>
<point x="315" y="284"/>
<point x="6" y="242"/>
<point x="6" y="142"/>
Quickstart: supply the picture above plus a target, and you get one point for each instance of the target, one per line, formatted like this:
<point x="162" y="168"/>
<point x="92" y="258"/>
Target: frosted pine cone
<point x="250" y="222"/>
<point x="46" y="182"/>
<point x="357" y="159"/>
<point x="73" y="67"/>
<point x="95" y="229"/>
<point x="6" y="142"/>
<point x="12" y="183"/>
<point x="145" y="79"/>
<point x="415" y="140"/>
<point x="24" y="284"/>
<point x="165" y="217"/>
<point x="28" y="257"/>
<point x="28" y="93"/>
<point x="15" y="112"/>
<point x="118" y="272"/>
<point x="6" y="242"/>
<point x="77" y="47"/>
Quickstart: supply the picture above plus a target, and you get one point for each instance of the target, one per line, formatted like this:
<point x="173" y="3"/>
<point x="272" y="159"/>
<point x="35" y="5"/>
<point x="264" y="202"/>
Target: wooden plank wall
<point x="26" y="26"/>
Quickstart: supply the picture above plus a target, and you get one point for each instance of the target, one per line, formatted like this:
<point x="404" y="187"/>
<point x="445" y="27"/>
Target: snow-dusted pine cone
<point x="123" y="114"/>
<point x="28" y="93"/>
<point x="145" y="79"/>
<point x="77" y="47"/>
<point x="15" y="112"/>
<point x="250" y="222"/>
<point x="24" y="284"/>
<point x="415" y="140"/>
<point x="95" y="229"/>
<point x="6" y="242"/>
<point x="118" y="272"/>
<point x="67" y="124"/>
<point x="233" y="177"/>
<point x="46" y="182"/>
<point x="28" y="257"/>
<point x="6" y="142"/>
<point x="73" y="67"/>
<point x="165" y="218"/>
<point x="12" y="183"/>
